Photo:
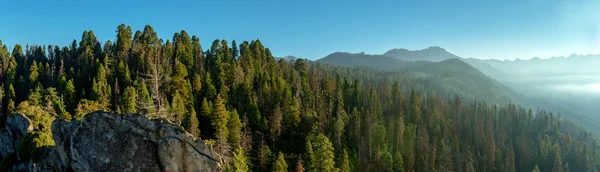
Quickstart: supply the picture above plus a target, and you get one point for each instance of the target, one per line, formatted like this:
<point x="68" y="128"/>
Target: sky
<point x="312" y="29"/>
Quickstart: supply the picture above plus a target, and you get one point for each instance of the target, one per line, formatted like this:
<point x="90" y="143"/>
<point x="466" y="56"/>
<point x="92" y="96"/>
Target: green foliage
<point x="32" y="144"/>
<point x="344" y="162"/>
<point x="146" y="104"/>
<point x="240" y="162"/>
<point x="190" y="123"/>
<point x="33" y="73"/>
<point x="101" y="91"/>
<point x="178" y="110"/>
<point x="219" y="120"/>
<point x="264" y="157"/>
<point x="86" y="106"/>
<point x="398" y="162"/>
<point x="69" y="95"/>
<point x="280" y="165"/>
<point x="42" y="120"/>
<point x="234" y="125"/>
<point x="322" y="156"/>
<point x="128" y="100"/>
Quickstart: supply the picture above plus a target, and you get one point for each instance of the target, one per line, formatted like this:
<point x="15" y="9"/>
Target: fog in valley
<point x="571" y="82"/>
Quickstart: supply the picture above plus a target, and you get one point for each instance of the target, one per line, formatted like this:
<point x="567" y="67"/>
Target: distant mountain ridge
<point x="450" y="74"/>
<point x="289" y="58"/>
<point x="434" y="54"/>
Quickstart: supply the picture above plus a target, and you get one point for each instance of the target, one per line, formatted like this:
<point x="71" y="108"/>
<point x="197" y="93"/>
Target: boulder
<point x="17" y="125"/>
<point x="104" y="141"/>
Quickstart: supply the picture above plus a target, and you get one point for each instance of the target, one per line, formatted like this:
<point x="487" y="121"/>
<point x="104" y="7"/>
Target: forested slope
<point x="263" y="114"/>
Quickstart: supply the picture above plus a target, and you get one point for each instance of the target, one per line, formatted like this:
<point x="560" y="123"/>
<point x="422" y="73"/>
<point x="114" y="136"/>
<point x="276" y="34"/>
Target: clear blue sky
<point x="313" y="29"/>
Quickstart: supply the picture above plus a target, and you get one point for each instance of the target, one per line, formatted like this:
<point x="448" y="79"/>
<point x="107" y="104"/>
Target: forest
<point x="268" y="114"/>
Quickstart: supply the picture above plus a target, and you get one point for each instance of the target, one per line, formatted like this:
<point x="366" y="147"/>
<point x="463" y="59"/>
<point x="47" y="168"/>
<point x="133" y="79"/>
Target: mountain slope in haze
<point x="572" y="82"/>
<point x="434" y="54"/>
<point x="451" y="76"/>
<point x="456" y="77"/>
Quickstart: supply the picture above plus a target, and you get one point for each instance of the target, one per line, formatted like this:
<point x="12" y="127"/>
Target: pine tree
<point x="11" y="99"/>
<point x="310" y="156"/>
<point x="205" y="118"/>
<point x="123" y="43"/>
<point x="219" y="121"/>
<point x="128" y="101"/>
<point x="280" y="165"/>
<point x="208" y="90"/>
<point x="240" y="162"/>
<point x="145" y="104"/>
<point x="275" y="123"/>
<point x="234" y="125"/>
<point x="100" y="88"/>
<point x="322" y="158"/>
<point x="180" y="84"/>
<point x="398" y="162"/>
<point x="558" y="167"/>
<point x="33" y="74"/>
<point x="345" y="163"/>
<point x="264" y="156"/>
<point x="178" y="110"/>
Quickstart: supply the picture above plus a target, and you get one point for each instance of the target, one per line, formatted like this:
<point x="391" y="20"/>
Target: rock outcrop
<point x="17" y="126"/>
<point x="105" y="141"/>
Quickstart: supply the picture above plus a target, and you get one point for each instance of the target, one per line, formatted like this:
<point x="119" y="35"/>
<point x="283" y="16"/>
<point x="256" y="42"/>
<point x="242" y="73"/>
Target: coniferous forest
<point x="270" y="114"/>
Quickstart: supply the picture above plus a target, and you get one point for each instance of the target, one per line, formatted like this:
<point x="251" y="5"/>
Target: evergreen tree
<point x="100" y="89"/>
<point x="264" y="156"/>
<point x="219" y="121"/>
<point x="144" y="101"/>
<point x="322" y="157"/>
<point x="234" y="125"/>
<point x="33" y="74"/>
<point x="558" y="167"/>
<point x="128" y="101"/>
<point x="11" y="96"/>
<point x="205" y="118"/>
<point x="398" y="162"/>
<point x="69" y="94"/>
<point x="178" y="110"/>
<point x="345" y="163"/>
<point x="310" y="157"/>
<point x="280" y="165"/>
<point x="240" y="162"/>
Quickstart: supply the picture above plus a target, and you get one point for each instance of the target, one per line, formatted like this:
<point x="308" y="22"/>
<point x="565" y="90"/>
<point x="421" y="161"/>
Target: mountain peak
<point x="433" y="53"/>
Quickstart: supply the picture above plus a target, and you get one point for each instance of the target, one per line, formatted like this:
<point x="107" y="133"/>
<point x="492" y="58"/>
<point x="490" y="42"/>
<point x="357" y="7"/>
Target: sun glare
<point x="595" y="87"/>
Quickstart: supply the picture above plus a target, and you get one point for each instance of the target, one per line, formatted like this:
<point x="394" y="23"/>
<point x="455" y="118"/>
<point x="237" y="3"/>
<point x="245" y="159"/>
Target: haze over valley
<point x="568" y="85"/>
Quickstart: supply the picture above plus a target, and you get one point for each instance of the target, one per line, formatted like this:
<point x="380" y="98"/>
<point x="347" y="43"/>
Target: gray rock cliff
<point x="105" y="141"/>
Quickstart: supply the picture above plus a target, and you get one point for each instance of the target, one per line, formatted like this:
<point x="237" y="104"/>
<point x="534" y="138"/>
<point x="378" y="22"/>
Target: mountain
<point x="362" y="59"/>
<point x="457" y="77"/>
<point x="434" y="54"/>
<point x="289" y="58"/>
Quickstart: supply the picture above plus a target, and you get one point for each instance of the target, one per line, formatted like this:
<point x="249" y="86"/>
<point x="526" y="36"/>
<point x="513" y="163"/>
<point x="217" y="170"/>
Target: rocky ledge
<point x="105" y="141"/>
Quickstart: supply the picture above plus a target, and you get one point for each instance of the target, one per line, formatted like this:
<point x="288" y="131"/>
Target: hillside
<point x="456" y="77"/>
